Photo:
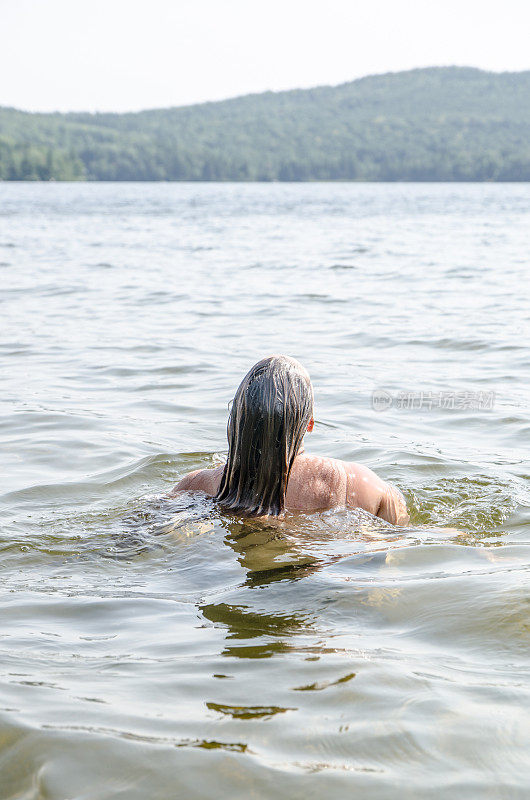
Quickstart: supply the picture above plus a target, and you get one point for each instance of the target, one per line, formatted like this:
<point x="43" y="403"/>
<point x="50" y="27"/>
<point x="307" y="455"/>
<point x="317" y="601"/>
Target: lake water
<point x="154" y="649"/>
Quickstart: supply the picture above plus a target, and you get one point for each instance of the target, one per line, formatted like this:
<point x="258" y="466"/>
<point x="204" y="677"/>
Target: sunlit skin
<point x="317" y="483"/>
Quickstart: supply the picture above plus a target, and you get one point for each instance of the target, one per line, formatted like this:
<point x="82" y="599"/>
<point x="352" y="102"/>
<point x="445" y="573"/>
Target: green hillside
<point x="436" y="124"/>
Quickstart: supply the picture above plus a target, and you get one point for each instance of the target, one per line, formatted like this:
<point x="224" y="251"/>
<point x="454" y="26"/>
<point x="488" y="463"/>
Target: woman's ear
<point x="310" y="425"/>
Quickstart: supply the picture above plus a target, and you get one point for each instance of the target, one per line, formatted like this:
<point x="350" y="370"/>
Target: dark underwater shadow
<point x="267" y="551"/>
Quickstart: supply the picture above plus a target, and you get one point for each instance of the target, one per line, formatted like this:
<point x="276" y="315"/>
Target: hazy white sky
<point x="132" y="54"/>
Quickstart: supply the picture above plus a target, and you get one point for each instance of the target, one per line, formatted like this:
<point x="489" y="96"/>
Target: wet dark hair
<point x="268" y="419"/>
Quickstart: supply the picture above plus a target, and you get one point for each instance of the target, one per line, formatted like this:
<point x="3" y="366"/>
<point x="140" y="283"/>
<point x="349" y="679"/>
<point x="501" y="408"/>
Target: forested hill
<point x="436" y="124"/>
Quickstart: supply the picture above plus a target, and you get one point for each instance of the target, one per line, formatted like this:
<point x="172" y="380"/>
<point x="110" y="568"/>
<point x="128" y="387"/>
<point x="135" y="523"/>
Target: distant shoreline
<point x="433" y="125"/>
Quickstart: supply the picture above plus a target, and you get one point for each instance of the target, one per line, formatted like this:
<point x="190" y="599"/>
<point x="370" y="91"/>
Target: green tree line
<point x="436" y="124"/>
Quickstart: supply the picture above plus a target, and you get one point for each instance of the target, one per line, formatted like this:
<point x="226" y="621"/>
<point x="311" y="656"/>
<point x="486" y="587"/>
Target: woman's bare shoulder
<point x="330" y="482"/>
<point x="366" y="489"/>
<point x="200" y="480"/>
<point x="316" y="482"/>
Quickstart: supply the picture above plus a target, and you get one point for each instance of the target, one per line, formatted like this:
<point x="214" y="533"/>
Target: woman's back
<point x="317" y="483"/>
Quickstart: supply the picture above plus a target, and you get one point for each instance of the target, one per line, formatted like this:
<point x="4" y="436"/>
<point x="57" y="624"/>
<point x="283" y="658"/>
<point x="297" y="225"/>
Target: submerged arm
<point x="393" y="507"/>
<point x="365" y="489"/>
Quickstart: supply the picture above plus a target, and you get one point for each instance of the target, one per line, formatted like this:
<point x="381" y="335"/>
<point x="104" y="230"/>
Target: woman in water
<point x="267" y="470"/>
